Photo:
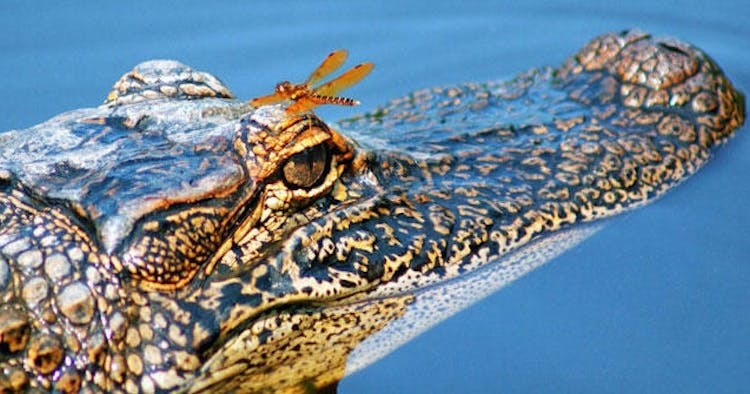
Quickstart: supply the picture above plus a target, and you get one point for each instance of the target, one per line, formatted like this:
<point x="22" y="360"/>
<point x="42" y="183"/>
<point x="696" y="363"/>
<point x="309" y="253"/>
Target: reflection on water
<point x="655" y="302"/>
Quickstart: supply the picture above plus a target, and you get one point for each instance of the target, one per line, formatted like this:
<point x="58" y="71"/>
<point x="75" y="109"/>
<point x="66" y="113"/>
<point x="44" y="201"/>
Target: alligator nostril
<point x="673" y="48"/>
<point x="656" y="65"/>
<point x="633" y="35"/>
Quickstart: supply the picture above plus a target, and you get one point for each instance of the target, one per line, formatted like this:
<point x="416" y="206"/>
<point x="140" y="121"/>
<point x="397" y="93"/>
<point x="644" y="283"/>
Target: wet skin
<point x="177" y="239"/>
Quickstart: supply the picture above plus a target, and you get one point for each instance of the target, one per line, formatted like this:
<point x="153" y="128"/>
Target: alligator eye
<point x="306" y="168"/>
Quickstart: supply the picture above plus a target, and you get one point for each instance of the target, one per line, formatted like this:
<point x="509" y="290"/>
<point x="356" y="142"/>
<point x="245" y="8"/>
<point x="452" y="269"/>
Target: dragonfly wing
<point x="266" y="100"/>
<point x="345" y="80"/>
<point x="331" y="63"/>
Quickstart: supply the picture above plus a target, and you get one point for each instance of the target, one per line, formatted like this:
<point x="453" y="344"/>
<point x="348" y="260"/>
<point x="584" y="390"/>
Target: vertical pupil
<point x="307" y="167"/>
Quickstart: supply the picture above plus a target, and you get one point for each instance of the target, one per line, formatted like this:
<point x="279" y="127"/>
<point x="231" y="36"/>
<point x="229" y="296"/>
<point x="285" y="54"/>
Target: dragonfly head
<point x="284" y="87"/>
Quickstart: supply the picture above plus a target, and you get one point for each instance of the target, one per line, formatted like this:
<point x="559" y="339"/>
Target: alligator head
<point x="177" y="239"/>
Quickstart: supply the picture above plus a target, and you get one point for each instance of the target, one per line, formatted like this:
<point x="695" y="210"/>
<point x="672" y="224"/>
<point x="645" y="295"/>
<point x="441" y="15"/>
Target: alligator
<point x="176" y="239"/>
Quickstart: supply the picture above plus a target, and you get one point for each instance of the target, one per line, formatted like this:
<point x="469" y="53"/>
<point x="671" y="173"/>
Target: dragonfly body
<point x="305" y="97"/>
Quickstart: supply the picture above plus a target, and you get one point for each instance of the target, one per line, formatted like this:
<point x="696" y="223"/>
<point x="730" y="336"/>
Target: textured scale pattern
<point x="164" y="242"/>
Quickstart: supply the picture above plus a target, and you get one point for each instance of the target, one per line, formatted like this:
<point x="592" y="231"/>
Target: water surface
<point x="656" y="302"/>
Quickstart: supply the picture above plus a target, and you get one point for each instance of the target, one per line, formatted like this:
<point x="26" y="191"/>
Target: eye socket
<point x="306" y="168"/>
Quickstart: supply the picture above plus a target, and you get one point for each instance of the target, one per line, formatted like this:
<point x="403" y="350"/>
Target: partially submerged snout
<point x="451" y="204"/>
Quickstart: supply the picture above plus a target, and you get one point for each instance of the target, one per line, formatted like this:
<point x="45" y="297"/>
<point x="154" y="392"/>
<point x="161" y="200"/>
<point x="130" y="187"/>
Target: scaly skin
<point x="175" y="239"/>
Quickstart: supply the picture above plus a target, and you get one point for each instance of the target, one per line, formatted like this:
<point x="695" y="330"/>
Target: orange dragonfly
<point x="306" y="98"/>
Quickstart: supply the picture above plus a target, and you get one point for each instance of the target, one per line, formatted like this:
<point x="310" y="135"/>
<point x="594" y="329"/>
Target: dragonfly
<point x="305" y="97"/>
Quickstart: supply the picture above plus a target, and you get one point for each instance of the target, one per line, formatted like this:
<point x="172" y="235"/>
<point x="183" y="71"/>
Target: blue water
<point x="656" y="302"/>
